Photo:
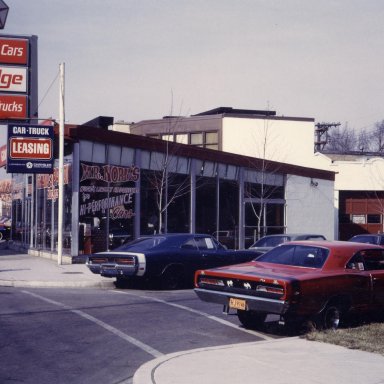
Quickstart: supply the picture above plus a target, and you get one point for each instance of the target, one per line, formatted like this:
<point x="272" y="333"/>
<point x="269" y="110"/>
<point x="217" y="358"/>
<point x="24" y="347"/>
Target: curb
<point x="56" y="284"/>
<point x="145" y="373"/>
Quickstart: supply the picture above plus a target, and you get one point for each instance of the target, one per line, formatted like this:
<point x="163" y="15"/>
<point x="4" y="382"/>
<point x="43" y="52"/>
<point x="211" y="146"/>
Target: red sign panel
<point x="13" y="107"/>
<point x="30" y="148"/>
<point x="13" y="51"/>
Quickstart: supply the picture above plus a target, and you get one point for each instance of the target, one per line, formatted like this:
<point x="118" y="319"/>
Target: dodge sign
<point x="30" y="148"/>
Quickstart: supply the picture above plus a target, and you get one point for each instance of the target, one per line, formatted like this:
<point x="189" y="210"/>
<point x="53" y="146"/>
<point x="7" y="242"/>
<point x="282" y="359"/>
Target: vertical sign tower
<point x="18" y="78"/>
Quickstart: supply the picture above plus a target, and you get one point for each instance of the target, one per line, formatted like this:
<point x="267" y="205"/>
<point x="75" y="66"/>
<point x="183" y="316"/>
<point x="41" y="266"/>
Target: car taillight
<point x="268" y="289"/>
<point x="211" y="281"/>
<point x="128" y="261"/>
<point x="98" y="260"/>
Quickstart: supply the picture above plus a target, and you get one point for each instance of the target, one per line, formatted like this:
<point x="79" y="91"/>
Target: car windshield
<point x="141" y="244"/>
<point x="270" y="241"/>
<point x="296" y="255"/>
<point x="365" y="239"/>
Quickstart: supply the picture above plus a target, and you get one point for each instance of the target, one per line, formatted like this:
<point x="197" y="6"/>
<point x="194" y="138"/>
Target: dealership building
<point x="113" y="180"/>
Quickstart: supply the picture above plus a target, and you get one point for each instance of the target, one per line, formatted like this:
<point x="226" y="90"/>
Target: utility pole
<point x="61" y="167"/>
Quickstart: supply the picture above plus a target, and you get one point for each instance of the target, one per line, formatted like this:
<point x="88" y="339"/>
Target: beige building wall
<point x="282" y="140"/>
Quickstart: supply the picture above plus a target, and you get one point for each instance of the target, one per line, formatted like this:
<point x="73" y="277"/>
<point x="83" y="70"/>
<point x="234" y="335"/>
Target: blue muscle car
<point x="170" y="259"/>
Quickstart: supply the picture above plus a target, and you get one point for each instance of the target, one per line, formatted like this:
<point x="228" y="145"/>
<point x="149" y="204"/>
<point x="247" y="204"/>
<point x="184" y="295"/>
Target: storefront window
<point x="107" y="206"/>
<point x="46" y="210"/>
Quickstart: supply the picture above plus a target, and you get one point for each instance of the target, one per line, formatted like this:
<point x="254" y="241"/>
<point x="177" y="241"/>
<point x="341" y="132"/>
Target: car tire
<point x="331" y="317"/>
<point x="122" y="282"/>
<point x="251" y="319"/>
<point x="172" y="278"/>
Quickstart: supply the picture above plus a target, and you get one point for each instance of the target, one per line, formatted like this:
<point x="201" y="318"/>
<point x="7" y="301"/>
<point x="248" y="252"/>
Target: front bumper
<point x="253" y="303"/>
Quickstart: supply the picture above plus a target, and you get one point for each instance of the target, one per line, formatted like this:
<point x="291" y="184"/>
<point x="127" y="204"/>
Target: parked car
<point x="301" y="281"/>
<point x="268" y="242"/>
<point x="228" y="238"/>
<point x="171" y="259"/>
<point x="369" y="238"/>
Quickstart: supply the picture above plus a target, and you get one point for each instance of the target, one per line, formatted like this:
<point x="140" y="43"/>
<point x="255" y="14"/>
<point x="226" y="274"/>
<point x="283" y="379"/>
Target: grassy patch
<point x="368" y="338"/>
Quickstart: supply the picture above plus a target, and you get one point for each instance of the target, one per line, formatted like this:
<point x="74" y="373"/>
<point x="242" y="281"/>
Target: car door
<point x="374" y="264"/>
<point x="210" y="255"/>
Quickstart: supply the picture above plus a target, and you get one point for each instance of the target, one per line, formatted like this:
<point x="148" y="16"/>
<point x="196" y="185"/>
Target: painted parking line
<point x="115" y="331"/>
<point x="197" y="312"/>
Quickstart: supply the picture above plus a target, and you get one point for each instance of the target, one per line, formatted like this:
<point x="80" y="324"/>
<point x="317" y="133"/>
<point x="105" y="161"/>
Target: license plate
<point x="237" y="304"/>
<point x="108" y="271"/>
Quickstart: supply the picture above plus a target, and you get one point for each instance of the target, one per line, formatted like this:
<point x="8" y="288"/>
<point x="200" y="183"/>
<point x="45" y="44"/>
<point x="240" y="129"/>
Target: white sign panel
<point x="13" y="79"/>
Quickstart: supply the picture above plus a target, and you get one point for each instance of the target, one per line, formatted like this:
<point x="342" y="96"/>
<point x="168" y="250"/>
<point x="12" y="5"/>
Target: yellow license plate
<point x="237" y="304"/>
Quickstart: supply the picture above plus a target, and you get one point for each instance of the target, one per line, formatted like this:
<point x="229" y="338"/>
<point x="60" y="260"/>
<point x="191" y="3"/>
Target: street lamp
<point x="3" y="13"/>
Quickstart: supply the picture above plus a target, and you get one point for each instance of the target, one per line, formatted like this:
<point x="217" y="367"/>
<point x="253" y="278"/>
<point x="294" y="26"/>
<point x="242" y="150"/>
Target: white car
<point x="271" y="241"/>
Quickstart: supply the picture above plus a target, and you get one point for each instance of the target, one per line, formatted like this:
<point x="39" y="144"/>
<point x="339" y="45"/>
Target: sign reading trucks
<point x="13" y="107"/>
<point x="30" y="148"/>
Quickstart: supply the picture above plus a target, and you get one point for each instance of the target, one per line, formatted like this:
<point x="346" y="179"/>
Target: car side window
<point x="373" y="259"/>
<point x="205" y="243"/>
<point x="190" y="244"/>
<point x="357" y="262"/>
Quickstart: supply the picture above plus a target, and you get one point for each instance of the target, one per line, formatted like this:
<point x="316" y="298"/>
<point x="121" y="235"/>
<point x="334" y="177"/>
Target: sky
<point x="143" y="59"/>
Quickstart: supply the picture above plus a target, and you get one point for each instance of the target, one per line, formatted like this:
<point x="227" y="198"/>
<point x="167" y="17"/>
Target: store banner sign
<point x="30" y="148"/>
<point x="108" y="188"/>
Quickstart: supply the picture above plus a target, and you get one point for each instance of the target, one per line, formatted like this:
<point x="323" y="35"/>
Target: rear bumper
<point x="113" y="269"/>
<point x="253" y="303"/>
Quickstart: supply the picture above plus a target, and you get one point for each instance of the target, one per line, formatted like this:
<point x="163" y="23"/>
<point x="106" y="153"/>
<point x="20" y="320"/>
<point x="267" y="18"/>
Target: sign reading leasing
<point x="30" y="148"/>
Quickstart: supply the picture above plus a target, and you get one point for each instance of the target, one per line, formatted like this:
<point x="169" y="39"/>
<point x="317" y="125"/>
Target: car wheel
<point x="171" y="278"/>
<point x="331" y="317"/>
<point x="251" y="319"/>
<point x="122" y="282"/>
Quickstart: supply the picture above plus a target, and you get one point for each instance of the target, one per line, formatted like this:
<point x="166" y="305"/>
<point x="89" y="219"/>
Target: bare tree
<point x="164" y="177"/>
<point x="377" y="137"/>
<point x="266" y="181"/>
<point x="342" y="139"/>
<point x="364" y="141"/>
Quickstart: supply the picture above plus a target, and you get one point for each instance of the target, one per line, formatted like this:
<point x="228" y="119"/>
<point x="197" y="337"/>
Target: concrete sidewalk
<point x="281" y="361"/>
<point x="23" y="270"/>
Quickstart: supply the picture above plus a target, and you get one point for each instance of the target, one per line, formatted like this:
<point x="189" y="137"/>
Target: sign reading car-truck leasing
<point x="30" y="148"/>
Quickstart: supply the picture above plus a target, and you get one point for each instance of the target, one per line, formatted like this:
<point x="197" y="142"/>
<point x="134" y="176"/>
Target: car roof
<point x="369" y="235"/>
<point x="176" y="234"/>
<point x="294" y="235"/>
<point x="342" y="250"/>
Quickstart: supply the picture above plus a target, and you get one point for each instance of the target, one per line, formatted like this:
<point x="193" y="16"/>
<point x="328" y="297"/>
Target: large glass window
<point x="106" y="205"/>
<point x="212" y="140"/>
<point x="197" y="139"/>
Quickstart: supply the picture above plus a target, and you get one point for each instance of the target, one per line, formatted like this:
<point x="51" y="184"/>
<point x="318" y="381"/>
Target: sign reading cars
<point x="13" y="51"/>
<point x="30" y="148"/>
